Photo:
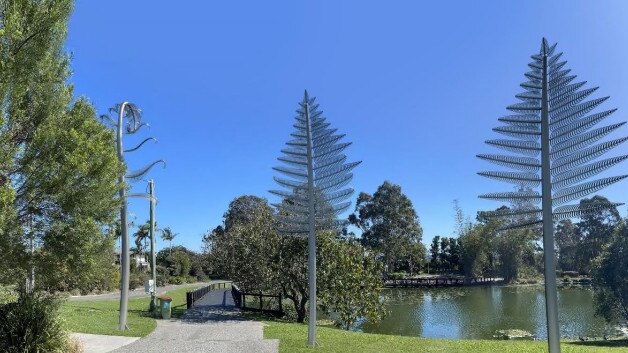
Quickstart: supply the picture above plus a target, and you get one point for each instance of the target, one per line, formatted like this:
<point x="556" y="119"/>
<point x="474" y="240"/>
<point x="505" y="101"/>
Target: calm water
<point x="477" y="312"/>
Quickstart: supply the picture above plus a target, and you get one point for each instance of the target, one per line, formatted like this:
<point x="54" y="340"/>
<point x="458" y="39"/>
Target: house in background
<point x="141" y="260"/>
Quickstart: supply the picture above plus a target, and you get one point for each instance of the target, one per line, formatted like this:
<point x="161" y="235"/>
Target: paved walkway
<point x="214" y="324"/>
<point x="102" y="343"/>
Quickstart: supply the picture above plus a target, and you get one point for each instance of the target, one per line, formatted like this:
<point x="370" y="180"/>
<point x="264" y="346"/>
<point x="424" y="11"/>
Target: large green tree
<point x="252" y="252"/>
<point x="389" y="223"/>
<point x="58" y="165"/>
<point x="610" y="271"/>
<point x="594" y="230"/>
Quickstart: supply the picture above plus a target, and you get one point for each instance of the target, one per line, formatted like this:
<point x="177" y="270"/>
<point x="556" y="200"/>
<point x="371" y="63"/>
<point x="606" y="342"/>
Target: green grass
<point x="101" y="316"/>
<point x="293" y="337"/>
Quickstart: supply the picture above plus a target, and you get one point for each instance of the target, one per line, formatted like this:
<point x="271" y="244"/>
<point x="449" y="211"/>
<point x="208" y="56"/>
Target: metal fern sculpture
<point x="315" y="189"/>
<point x="557" y="149"/>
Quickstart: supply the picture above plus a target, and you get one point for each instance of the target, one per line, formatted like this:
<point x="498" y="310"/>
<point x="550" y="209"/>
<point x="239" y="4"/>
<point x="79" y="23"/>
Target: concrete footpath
<point x="101" y="343"/>
<point x="212" y="325"/>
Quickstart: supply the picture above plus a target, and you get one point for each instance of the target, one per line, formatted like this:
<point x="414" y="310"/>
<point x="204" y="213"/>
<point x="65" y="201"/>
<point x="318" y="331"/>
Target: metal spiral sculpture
<point x="557" y="147"/>
<point x="315" y="190"/>
<point x="133" y="116"/>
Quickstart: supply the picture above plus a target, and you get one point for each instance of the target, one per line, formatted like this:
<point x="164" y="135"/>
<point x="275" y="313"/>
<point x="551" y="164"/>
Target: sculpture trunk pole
<point x="311" y="268"/>
<point x="551" y="295"/>
<point x="124" y="256"/>
<point x="153" y="264"/>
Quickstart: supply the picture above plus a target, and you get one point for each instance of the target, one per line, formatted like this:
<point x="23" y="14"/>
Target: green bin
<point x="164" y="306"/>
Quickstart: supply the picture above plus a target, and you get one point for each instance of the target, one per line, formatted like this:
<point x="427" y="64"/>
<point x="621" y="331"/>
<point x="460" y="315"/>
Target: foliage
<point x="445" y="254"/>
<point x="177" y="265"/>
<point x="609" y="277"/>
<point x="32" y="324"/>
<point x="252" y="253"/>
<point x="567" y="245"/>
<point x="168" y="235"/>
<point x="58" y="165"/>
<point x="581" y="243"/>
<point x="142" y="236"/>
<point x="389" y="224"/>
<point x="349" y="286"/>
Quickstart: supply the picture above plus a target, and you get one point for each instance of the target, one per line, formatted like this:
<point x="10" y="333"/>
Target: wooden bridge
<point x="441" y="281"/>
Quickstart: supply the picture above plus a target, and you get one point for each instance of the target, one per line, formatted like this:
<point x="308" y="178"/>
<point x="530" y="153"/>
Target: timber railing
<point x="267" y="303"/>
<point x="193" y="296"/>
<point x="441" y="281"/>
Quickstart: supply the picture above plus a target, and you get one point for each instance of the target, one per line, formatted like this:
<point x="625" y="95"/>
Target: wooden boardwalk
<point x="441" y="281"/>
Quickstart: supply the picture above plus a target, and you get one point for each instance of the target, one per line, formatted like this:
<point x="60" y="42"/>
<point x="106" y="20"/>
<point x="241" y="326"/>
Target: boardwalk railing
<point x="191" y="297"/>
<point x="441" y="281"/>
<point x="267" y="303"/>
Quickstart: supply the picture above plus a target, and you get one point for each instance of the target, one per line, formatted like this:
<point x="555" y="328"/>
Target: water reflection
<point x="477" y="312"/>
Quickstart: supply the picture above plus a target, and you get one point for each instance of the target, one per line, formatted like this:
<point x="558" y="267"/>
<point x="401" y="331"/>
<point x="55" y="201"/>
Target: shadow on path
<point x="216" y="305"/>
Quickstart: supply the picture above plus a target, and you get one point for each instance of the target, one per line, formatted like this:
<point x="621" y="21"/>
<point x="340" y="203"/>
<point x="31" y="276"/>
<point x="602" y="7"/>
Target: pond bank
<point x="292" y="339"/>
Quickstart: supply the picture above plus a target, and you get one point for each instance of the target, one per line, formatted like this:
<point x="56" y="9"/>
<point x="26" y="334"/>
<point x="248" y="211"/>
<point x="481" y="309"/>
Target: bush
<point x="177" y="280"/>
<point x="137" y="280"/>
<point x="397" y="275"/>
<point x="7" y="295"/>
<point x="32" y="324"/>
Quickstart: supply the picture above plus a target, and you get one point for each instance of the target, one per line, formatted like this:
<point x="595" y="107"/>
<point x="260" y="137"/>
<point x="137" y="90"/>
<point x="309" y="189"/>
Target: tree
<point x="435" y="253"/>
<point x="567" y="242"/>
<point x="315" y="192"/>
<point x="594" y="230"/>
<point x="262" y="259"/>
<point x="609" y="277"/>
<point x="350" y="284"/>
<point x="551" y="122"/>
<point x="168" y="235"/>
<point x="388" y="222"/>
<point x="57" y="165"/>
<point x="243" y="253"/>
<point x="141" y="236"/>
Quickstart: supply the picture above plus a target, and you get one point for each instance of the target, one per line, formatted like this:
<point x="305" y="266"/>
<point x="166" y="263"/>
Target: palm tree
<point x="168" y="235"/>
<point x="141" y="236"/>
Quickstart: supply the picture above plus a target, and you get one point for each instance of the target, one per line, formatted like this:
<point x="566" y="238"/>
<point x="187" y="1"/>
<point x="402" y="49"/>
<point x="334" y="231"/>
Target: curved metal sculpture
<point x="551" y="122"/>
<point x="315" y="191"/>
<point x="133" y="116"/>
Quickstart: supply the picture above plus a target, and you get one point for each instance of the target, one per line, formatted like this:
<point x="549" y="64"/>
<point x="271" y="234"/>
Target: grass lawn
<point x="293" y="338"/>
<point x="101" y="316"/>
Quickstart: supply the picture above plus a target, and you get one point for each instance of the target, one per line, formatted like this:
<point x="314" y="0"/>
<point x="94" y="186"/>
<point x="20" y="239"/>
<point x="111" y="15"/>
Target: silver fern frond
<point x="551" y="93"/>
<point x="314" y="156"/>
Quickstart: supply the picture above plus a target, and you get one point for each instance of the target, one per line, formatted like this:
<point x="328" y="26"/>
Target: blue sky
<point x="416" y="86"/>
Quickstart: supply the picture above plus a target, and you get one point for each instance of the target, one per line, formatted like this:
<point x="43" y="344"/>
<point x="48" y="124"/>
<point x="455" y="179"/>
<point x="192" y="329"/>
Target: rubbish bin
<point x="164" y="306"/>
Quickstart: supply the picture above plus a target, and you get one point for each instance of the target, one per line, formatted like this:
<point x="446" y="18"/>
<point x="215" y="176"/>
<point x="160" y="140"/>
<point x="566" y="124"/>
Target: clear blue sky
<point x="415" y="85"/>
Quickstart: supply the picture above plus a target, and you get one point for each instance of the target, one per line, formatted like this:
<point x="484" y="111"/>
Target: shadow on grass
<point x="600" y="343"/>
<point x="178" y="311"/>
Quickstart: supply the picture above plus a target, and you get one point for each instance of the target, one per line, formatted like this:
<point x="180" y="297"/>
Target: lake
<point x="477" y="312"/>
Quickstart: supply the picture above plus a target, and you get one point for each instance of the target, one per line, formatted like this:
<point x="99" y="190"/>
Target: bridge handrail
<point x="193" y="296"/>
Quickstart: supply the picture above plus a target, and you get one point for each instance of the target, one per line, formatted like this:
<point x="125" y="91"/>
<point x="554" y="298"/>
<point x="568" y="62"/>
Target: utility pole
<point x="153" y="264"/>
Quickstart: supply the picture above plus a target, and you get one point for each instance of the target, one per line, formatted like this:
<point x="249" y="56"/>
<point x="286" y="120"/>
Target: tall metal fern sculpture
<point x="552" y="122"/>
<point x="133" y="116"/>
<point x="315" y="190"/>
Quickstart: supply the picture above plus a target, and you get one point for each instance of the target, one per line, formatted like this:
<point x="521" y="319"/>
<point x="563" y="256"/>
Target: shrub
<point x="32" y="324"/>
<point x="7" y="295"/>
<point x="177" y="280"/>
<point x="397" y="275"/>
